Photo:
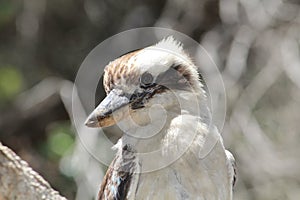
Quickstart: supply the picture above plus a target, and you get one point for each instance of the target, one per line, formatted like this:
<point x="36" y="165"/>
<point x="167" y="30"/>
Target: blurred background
<point x="254" y="43"/>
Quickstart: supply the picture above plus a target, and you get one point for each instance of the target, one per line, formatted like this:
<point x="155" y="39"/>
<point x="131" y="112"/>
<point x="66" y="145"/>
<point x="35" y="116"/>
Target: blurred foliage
<point x="59" y="142"/>
<point x="11" y="82"/>
<point x="7" y="11"/>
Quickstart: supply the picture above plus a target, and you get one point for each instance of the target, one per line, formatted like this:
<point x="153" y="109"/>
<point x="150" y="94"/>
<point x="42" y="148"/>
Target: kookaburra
<point x="156" y="97"/>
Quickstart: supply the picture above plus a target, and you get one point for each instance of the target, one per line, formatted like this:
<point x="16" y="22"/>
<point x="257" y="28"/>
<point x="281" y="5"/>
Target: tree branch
<point x="19" y="181"/>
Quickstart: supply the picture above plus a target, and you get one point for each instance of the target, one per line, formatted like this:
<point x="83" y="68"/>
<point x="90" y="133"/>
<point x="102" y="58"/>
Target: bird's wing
<point x="106" y="183"/>
<point x="118" y="179"/>
<point x="232" y="167"/>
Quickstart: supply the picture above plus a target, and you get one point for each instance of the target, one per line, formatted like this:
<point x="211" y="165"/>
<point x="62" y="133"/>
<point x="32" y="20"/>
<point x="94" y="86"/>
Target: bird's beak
<point x="108" y="111"/>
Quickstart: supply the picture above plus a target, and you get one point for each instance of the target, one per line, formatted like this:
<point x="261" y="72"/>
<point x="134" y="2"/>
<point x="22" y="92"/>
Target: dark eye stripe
<point x="176" y="77"/>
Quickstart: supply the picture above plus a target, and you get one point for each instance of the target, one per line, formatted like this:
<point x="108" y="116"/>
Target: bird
<point x="169" y="149"/>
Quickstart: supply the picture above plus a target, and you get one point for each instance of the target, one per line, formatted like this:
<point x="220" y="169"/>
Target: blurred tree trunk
<point x="19" y="181"/>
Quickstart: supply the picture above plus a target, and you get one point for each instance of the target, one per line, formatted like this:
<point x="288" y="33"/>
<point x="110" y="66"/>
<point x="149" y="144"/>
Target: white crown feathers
<point x="170" y="43"/>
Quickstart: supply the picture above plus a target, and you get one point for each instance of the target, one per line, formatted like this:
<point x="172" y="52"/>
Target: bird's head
<point x="157" y="75"/>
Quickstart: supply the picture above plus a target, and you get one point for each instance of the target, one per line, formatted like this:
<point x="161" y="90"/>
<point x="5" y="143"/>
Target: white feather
<point x="171" y="44"/>
<point x="158" y="58"/>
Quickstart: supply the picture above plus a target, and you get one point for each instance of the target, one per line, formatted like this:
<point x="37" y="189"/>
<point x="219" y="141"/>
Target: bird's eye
<point x="146" y="79"/>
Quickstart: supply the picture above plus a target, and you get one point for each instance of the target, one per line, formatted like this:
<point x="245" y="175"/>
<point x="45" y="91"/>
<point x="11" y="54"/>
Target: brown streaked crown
<point x="121" y="71"/>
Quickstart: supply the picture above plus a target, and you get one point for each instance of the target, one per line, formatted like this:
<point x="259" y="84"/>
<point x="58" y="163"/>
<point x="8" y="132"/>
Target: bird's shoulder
<point x="119" y="176"/>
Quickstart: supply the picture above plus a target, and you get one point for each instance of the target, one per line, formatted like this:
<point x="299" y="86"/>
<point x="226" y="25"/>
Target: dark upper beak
<point x="108" y="112"/>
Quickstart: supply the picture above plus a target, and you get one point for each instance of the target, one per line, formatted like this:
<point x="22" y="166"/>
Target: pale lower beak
<point x="105" y="113"/>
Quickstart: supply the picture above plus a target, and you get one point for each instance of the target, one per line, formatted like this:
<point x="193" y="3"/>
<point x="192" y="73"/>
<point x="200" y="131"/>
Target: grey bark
<point x="19" y="181"/>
